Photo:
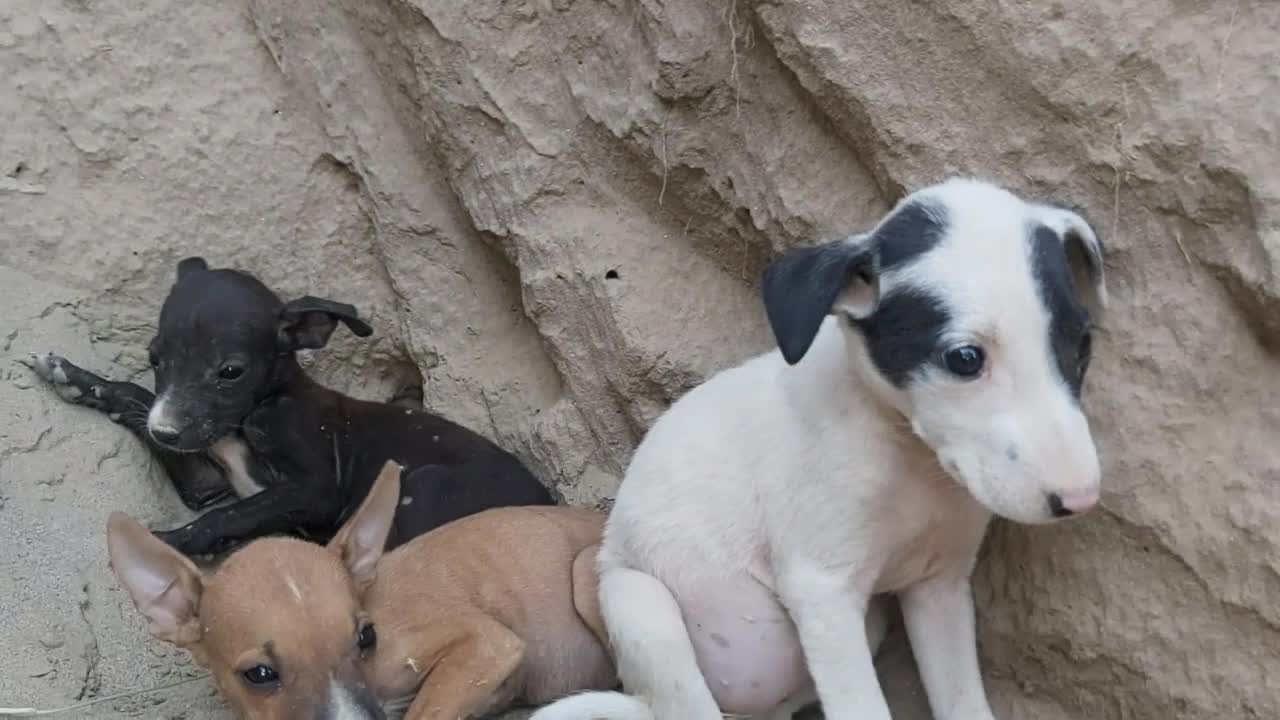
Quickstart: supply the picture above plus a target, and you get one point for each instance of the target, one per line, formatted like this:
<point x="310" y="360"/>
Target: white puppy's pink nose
<point x="1073" y="503"/>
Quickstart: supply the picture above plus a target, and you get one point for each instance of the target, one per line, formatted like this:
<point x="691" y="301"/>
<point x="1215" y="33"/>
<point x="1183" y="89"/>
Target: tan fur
<point x="510" y="572"/>
<point x="487" y="610"/>
<point x="586" y="597"/>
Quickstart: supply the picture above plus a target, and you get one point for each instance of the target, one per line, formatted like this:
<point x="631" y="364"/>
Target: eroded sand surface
<point x="555" y="212"/>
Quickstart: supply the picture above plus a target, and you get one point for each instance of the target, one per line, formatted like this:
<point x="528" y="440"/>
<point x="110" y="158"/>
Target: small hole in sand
<point x="611" y="275"/>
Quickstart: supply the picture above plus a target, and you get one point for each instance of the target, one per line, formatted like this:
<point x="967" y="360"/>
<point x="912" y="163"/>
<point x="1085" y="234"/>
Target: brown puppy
<point x="491" y="609"/>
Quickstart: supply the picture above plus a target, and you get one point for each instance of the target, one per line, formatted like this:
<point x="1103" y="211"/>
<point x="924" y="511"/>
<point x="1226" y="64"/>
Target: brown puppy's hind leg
<point x="464" y="681"/>
<point x="586" y="598"/>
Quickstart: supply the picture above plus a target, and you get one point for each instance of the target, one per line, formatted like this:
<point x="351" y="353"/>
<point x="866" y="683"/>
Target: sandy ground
<point x="70" y="633"/>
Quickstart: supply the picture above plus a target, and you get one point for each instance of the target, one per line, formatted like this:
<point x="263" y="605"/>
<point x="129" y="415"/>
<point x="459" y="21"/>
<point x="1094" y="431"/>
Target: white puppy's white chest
<point x="947" y="544"/>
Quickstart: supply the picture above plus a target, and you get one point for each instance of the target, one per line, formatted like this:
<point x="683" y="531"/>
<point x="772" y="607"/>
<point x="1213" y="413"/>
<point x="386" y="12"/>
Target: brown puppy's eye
<point x="366" y="638"/>
<point x="260" y="675"/>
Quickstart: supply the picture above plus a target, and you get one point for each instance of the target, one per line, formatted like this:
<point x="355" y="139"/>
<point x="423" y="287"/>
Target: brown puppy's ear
<point x="307" y="323"/>
<point x="164" y="584"/>
<point x="362" y="538"/>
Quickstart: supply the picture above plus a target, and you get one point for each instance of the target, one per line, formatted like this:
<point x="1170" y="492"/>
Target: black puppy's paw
<point x="70" y="382"/>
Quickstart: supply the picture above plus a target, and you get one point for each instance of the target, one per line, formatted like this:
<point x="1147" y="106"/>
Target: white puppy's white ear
<point x="165" y="586"/>
<point x="806" y="284"/>
<point x="362" y="538"/>
<point x="1085" y="255"/>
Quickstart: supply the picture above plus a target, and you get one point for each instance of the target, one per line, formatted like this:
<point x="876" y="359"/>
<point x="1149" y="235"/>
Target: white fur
<point x="160" y="418"/>
<point x="342" y="706"/>
<point x="983" y="270"/>
<point x="597" y="706"/>
<point x="815" y="487"/>
<point x="233" y="455"/>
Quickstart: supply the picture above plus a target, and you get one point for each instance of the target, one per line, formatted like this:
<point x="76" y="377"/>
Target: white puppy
<point x="929" y="375"/>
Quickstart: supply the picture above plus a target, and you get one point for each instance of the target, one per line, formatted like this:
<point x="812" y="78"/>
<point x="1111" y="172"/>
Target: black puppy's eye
<point x="964" y="361"/>
<point x="260" y="675"/>
<point x="230" y="372"/>
<point x="366" y="638"/>
<point x="154" y="359"/>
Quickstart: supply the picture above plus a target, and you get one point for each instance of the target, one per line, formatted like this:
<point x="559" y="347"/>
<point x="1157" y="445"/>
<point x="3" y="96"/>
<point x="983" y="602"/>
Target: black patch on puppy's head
<point x="912" y="231"/>
<point x="902" y="329"/>
<point x="1070" y="340"/>
<point x="905" y="332"/>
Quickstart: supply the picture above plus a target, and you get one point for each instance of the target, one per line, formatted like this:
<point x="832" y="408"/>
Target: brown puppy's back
<point x="514" y="564"/>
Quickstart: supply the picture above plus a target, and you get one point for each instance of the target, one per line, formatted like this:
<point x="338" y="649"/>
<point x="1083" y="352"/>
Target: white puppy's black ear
<point x="190" y="265"/>
<point x="1084" y="255"/>
<point x="806" y="284"/>
<point x="307" y="323"/>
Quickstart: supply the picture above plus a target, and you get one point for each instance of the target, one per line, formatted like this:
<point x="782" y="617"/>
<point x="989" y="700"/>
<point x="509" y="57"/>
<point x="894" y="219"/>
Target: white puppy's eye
<point x="965" y="361"/>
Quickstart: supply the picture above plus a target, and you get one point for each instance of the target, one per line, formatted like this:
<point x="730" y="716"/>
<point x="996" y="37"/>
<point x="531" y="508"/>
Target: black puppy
<point x="234" y="412"/>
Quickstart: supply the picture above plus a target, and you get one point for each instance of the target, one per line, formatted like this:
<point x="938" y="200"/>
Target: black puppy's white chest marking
<point x="233" y="455"/>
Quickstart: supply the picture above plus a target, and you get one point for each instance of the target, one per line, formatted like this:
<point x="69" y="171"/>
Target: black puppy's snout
<point x="1057" y="508"/>
<point x="167" y="436"/>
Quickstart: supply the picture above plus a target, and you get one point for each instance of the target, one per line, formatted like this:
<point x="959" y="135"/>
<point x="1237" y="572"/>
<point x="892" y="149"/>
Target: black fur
<point x="905" y="332"/>
<point x="314" y="451"/>
<point x="1084" y="258"/>
<point x="909" y="233"/>
<point x="307" y="323"/>
<point x="1070" y="340"/>
<point x="191" y="264"/>
<point x="801" y="287"/>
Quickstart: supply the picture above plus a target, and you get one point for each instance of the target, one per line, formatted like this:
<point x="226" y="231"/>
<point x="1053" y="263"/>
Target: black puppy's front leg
<point x="283" y="508"/>
<point x="409" y="397"/>
<point x="198" y="480"/>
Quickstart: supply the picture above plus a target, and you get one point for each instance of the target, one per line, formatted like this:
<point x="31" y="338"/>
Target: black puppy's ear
<point x="307" y="322"/>
<point x="191" y="264"/>
<point x="806" y="284"/>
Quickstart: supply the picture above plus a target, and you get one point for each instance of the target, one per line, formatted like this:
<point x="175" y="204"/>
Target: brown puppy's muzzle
<point x="349" y="698"/>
